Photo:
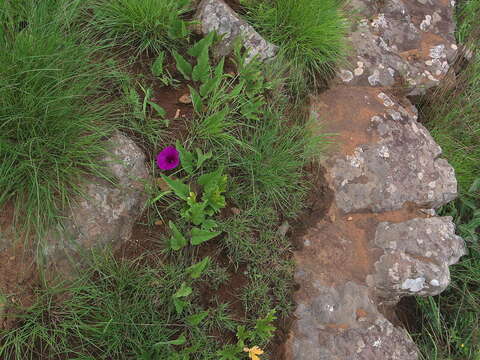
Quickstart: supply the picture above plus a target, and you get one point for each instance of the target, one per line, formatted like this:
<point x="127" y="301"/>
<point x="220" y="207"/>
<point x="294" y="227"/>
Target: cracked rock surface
<point x="107" y="212"/>
<point x="402" y="42"/>
<point x="381" y="239"/>
<point x="216" y="15"/>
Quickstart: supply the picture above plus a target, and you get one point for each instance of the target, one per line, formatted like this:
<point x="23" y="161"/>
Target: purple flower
<point x="168" y="158"/>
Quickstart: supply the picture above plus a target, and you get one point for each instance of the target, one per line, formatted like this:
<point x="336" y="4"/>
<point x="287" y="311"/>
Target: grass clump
<point x="51" y="111"/>
<point x="146" y="26"/>
<point x="311" y="35"/>
<point x="127" y="310"/>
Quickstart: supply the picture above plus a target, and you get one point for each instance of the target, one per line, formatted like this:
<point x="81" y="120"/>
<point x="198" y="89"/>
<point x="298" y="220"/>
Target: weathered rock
<point x="107" y="212"/>
<point x="216" y="15"/>
<point x="402" y="166"/>
<point x="343" y="323"/>
<point x="407" y="43"/>
<point x="417" y="255"/>
<point x="381" y="239"/>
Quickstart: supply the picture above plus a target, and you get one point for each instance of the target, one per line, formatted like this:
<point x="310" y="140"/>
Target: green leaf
<point x="157" y="67"/>
<point x="178" y="187"/>
<point x="264" y="328"/>
<point x="230" y="352"/>
<point x="201" y="71"/>
<point x="183" y="65"/>
<point x="204" y="44"/>
<point x="186" y="158"/>
<point x="184" y="291"/>
<point x="196" y="319"/>
<point x="197" y="213"/>
<point x="196" y="100"/>
<point x="201" y="157"/>
<point x="158" y="109"/>
<point x="243" y="334"/>
<point x="177" y="241"/>
<point x="178" y="29"/>
<point x="213" y="83"/>
<point x="209" y="224"/>
<point x="215" y="123"/>
<point x="197" y="269"/>
<point x="179" y="305"/>
<point x="199" y="236"/>
<point x="179" y="341"/>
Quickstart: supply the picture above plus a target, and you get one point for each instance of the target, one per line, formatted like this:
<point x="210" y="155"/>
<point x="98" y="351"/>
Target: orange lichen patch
<point x="361" y="313"/>
<point x="428" y="41"/>
<point x="337" y="326"/>
<point x="350" y="123"/>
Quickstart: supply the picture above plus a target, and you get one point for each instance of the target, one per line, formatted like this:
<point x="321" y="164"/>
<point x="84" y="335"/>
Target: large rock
<point x="216" y="15"/>
<point x="343" y="323"/>
<point x="108" y="211"/>
<point x="416" y="257"/>
<point x="402" y="166"/>
<point x="380" y="240"/>
<point x="405" y="43"/>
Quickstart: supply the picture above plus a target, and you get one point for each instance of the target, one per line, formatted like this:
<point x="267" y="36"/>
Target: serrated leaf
<point x="157" y="66"/>
<point x="243" y="334"/>
<point x="197" y="269"/>
<point x="178" y="187"/>
<point x="264" y="328"/>
<point x="201" y="71"/>
<point x="183" y="65"/>
<point x="215" y="123"/>
<point x="158" y="109"/>
<point x="184" y="291"/>
<point x="201" y="157"/>
<point x="230" y="352"/>
<point x="197" y="213"/>
<point x="196" y="319"/>
<point x="196" y="100"/>
<point x="199" y="236"/>
<point x="186" y="158"/>
<point x="177" y="241"/>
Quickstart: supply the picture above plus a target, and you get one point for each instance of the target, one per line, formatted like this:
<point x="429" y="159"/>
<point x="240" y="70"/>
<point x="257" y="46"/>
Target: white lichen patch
<point x="386" y="100"/>
<point x="346" y="75"/>
<point x="414" y="285"/>
<point x="425" y="24"/>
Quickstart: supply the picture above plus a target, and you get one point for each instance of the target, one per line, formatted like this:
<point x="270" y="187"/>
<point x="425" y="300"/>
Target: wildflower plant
<point x="198" y="211"/>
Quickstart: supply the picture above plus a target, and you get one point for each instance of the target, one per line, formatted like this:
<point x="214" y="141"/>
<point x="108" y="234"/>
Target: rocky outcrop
<point x="409" y="43"/>
<point x="216" y="15"/>
<point x="381" y="232"/>
<point x="105" y="215"/>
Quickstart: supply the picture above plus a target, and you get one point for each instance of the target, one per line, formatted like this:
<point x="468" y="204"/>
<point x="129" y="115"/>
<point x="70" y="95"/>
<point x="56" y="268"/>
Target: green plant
<point x="311" y="35"/>
<point x="146" y="26"/>
<point x="197" y="212"/>
<point x="260" y="334"/>
<point x="52" y="113"/>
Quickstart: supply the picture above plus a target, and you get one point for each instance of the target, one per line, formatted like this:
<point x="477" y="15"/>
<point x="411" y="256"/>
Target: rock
<point x="216" y="15"/>
<point x="343" y="323"/>
<point x="407" y="43"/>
<point x="381" y="238"/>
<point x="402" y="166"/>
<point x="416" y="257"/>
<point x="106" y="214"/>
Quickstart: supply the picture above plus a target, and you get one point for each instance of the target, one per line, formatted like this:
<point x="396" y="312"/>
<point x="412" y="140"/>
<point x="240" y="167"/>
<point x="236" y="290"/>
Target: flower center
<point x="171" y="159"/>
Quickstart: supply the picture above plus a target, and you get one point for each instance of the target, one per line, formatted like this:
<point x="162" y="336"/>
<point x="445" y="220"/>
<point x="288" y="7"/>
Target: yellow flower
<point x="254" y="352"/>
